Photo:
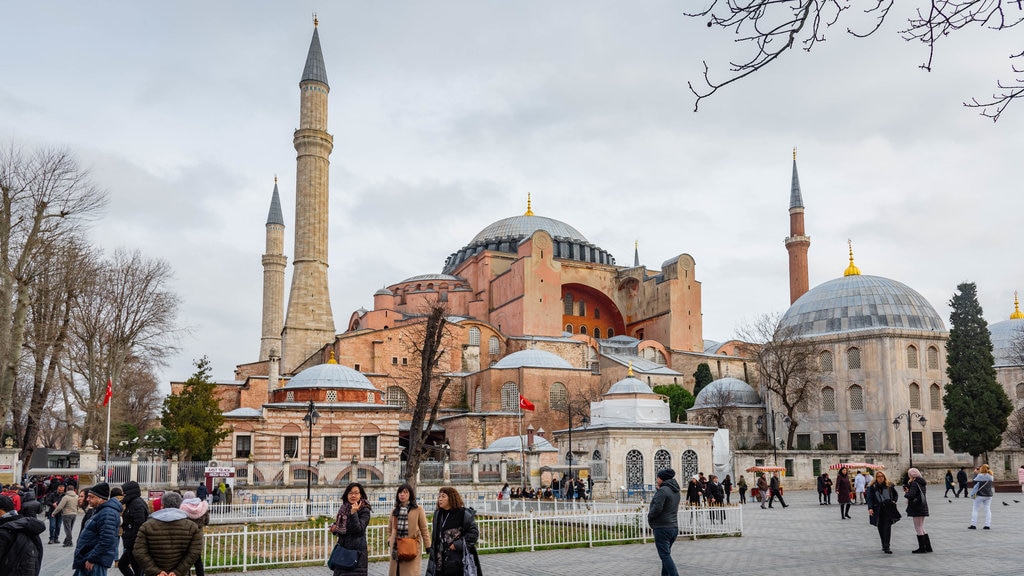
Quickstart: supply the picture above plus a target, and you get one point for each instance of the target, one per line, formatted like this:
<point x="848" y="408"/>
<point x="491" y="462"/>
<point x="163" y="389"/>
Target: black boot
<point x="921" y="547"/>
<point x="928" y="543"/>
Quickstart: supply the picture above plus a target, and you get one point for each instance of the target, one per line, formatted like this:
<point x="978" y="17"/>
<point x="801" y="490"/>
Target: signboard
<point x="220" y="471"/>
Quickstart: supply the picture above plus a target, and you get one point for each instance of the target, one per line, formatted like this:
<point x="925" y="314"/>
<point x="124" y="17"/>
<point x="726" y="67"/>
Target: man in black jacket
<point x="135" y="513"/>
<point x="21" y="549"/>
<point x="961" y="480"/>
<point x="775" y="487"/>
<point x="50" y="501"/>
<point x="663" y="517"/>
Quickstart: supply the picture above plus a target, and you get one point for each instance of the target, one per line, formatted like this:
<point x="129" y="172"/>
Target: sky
<point x="445" y="115"/>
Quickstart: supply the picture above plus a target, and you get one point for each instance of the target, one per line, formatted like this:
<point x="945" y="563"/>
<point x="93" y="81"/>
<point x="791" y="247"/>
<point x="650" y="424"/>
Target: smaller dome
<point x="433" y="278"/>
<point x="533" y="359"/>
<point x="1003" y="334"/>
<point x="733" y="391"/>
<point x="629" y="385"/>
<point x="383" y="292"/>
<point x="515" y="444"/>
<point x="330" y="376"/>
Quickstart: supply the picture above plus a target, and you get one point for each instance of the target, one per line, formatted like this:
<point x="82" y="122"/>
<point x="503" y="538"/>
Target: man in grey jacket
<point x="663" y="517"/>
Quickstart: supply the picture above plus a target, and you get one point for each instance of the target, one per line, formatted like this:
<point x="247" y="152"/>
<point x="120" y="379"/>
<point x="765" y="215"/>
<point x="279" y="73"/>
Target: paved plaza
<point x="803" y="539"/>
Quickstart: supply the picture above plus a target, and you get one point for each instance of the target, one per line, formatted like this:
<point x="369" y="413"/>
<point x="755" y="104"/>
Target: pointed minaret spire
<point x="274" y="264"/>
<point x="1017" y="314"/>
<point x="275" y="216"/>
<point x="852" y="269"/>
<point x="797" y="243"/>
<point x="529" y="210"/>
<point x="315" y="69"/>
<point x="636" y="253"/>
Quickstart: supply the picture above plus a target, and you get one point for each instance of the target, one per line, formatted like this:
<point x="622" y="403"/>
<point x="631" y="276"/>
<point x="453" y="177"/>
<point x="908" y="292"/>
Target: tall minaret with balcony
<point x="274" y="263"/>
<point x="309" y="323"/>
<point x="797" y="242"/>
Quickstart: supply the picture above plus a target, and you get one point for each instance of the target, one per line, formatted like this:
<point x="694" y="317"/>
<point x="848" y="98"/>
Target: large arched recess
<point x="598" y="312"/>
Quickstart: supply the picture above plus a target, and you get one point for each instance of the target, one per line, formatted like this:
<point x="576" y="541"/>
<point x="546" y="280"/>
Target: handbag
<point x="408" y="549"/>
<point x="342" y="557"/>
<point x="894" y="513"/>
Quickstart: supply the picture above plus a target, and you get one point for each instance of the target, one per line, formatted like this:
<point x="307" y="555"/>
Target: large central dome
<point x="857" y="302"/>
<point x="523" y="226"/>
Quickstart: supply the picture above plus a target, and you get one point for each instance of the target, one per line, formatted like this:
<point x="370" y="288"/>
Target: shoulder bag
<point x="408" y="549"/>
<point x="342" y="557"/>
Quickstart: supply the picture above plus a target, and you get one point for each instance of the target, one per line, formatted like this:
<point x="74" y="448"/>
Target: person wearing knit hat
<point x="663" y="517"/>
<point x="917" y="508"/>
<point x="101" y="490"/>
<point x="96" y="549"/>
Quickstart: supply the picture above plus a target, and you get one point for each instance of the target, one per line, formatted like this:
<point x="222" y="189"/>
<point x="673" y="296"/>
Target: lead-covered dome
<point x="1003" y="334"/>
<point x="858" y="302"/>
<point x="532" y="359"/>
<point x="727" y="391"/>
<point x="330" y="375"/>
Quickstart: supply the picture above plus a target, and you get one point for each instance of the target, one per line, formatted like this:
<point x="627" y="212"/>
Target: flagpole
<point x="522" y="452"/>
<point x="106" y="445"/>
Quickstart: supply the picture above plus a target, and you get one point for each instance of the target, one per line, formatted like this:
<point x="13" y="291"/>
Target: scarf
<point x="402" y="522"/>
<point x="345" y="511"/>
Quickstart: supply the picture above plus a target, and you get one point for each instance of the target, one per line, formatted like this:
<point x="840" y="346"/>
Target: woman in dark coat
<point x="350" y="527"/>
<point x="881" y="499"/>
<point x="843" y="490"/>
<point x="917" y="508"/>
<point x="454" y="535"/>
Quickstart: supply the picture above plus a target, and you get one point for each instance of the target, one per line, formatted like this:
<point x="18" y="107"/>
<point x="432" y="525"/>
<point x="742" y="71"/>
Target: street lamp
<point x="583" y="421"/>
<point x="310" y="419"/>
<point x="910" y="424"/>
<point x="775" y="441"/>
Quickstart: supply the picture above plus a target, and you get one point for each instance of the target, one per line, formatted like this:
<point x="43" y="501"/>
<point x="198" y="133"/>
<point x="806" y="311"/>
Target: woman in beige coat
<point x="408" y="520"/>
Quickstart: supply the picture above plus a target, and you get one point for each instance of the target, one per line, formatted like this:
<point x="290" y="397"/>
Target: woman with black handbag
<point x="407" y="533"/>
<point x="881" y="499"/>
<point x="350" y="555"/>
<point x="454" y="537"/>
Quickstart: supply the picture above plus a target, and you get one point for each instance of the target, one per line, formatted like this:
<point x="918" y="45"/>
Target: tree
<point x="787" y="364"/>
<point x="976" y="405"/>
<point x="702" y="377"/>
<point x="1014" y="434"/>
<point x="717" y="403"/>
<point x="193" y="417"/>
<point x="771" y="27"/>
<point x="679" y="400"/>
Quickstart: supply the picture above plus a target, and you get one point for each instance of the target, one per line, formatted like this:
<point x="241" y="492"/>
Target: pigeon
<point x="1016" y="501"/>
<point x="948" y="500"/>
<point x="1004" y="503"/>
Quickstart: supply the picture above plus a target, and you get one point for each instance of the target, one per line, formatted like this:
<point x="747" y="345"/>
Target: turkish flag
<point x="110" y="391"/>
<point x="526" y="404"/>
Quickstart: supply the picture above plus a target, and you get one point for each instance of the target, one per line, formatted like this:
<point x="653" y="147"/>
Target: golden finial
<point x="852" y="269"/>
<point x="275" y="178"/>
<point x="529" y="210"/>
<point x="636" y="244"/>
<point x="316" y="22"/>
<point x="1017" y="314"/>
<point x="794" y="153"/>
<point x="629" y="372"/>
<point x="331" y="360"/>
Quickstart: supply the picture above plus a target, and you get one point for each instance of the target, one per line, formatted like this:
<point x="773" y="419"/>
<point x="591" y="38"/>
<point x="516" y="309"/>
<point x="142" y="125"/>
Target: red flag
<point x="526" y="404"/>
<point x="110" y="391"/>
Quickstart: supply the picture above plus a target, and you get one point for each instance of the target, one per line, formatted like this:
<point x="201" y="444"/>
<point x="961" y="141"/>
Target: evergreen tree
<point x="976" y="405"/>
<point x="193" y="417"/>
<point x="702" y="377"/>
<point x="679" y="400"/>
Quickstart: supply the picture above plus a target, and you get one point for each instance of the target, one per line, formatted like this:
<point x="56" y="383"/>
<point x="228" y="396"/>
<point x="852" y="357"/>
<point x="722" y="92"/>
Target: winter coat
<point x="664" y="509"/>
<point x="67" y="505"/>
<point x="168" y="542"/>
<point x="917" y="504"/>
<point x="21" y="550"/>
<point x="97" y="543"/>
<point x="715" y="492"/>
<point x="418" y="531"/>
<point x="843" y="488"/>
<point x="354" y="538"/>
<point x="51" y="500"/>
<point x="465" y="544"/>
<point x="693" y="492"/>
<point x="881" y="507"/>
<point x="982" y="486"/>
<point x="30" y="506"/>
<point x="136" y="511"/>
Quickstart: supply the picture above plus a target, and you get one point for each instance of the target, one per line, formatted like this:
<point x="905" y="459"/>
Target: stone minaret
<point x="797" y="242"/>
<point x="309" y="323"/>
<point x="274" y="262"/>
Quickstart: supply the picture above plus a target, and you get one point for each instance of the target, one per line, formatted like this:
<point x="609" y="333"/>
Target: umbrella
<point x="766" y="469"/>
<point x="867" y="465"/>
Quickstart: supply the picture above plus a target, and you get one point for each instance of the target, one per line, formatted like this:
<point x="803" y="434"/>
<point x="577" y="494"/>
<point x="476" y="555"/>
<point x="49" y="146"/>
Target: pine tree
<point x="702" y="377"/>
<point x="976" y="405"/>
<point x="679" y="400"/>
<point x="193" y="417"/>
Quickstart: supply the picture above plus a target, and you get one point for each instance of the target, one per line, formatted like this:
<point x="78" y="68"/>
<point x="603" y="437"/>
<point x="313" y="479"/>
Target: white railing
<point x="115" y="471"/>
<point x="246" y="547"/>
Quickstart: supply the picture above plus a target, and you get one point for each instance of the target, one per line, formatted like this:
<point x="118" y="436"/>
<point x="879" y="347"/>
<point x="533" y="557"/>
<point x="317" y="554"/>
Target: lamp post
<point x="910" y="425"/>
<point x="584" y="421"/>
<point x="775" y="441"/>
<point x="310" y="419"/>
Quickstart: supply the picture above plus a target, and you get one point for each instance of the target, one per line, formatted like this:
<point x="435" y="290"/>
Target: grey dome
<point x="433" y="278"/>
<point x="532" y="359"/>
<point x="1002" y="334"/>
<point x="330" y="376"/>
<point x="515" y="444"/>
<point x="629" y="385"/>
<point x="858" y="302"/>
<point x="523" y="226"/>
<point x="383" y="292"/>
<point x="734" y="391"/>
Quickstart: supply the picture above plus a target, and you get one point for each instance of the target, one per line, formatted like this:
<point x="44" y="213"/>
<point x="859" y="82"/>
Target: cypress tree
<point x="702" y="377"/>
<point x="976" y="405"/>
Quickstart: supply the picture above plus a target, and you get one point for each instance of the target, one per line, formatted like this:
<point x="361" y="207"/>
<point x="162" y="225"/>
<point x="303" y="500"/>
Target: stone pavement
<point x="803" y="539"/>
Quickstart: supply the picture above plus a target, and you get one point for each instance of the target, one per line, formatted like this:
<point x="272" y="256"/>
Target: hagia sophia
<point x="537" y="310"/>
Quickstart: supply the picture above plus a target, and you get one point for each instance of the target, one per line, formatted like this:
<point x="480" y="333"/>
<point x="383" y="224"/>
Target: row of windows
<point x="853" y="359"/>
<point x="583" y="330"/>
<point x="635" y="476"/>
<point x="290" y="446"/>
<point x="855" y="394"/>
<point x="493" y="343"/>
<point x="577" y="308"/>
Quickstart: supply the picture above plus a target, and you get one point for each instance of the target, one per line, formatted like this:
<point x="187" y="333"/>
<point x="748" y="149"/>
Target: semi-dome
<point x="629" y="385"/>
<point x="857" y="302"/>
<point x="533" y="359"/>
<point x="731" y="391"/>
<point x="330" y="375"/>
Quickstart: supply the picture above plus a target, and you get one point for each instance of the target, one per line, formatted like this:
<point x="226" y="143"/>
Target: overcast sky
<point x="446" y="114"/>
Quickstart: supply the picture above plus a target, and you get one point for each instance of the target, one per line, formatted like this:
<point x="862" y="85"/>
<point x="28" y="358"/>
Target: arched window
<point x="597" y="333"/>
<point x="933" y="358"/>
<point x="557" y="396"/>
<point x="936" y="397"/>
<point x="397" y="397"/>
<point x="474" y="336"/>
<point x="568" y="328"/>
<point x="478" y="399"/>
<point x="510" y="397"/>
<point x="825" y="361"/>
<point x="583" y="329"/>
<point x="915" y="396"/>
<point x="582" y="306"/>
<point x="689" y="464"/>
<point x="828" y="399"/>
<point x="750" y="423"/>
<point x="611" y="332"/>
<point x="634" y="469"/>
<point x="856" y="397"/>
<point x="911" y="356"/>
<point x="596" y="456"/>
<point x="739" y="424"/>
<point x="662" y="460"/>
<point x="1020" y="390"/>
<point x="853" y="358"/>
<point x="567" y="302"/>
<point x="494" y="346"/>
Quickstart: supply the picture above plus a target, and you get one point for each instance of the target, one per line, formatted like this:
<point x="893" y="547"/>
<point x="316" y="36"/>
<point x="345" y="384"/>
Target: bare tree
<point x="1016" y="352"/>
<point x="718" y="403"/>
<point x="1013" y="436"/>
<point x="45" y="196"/>
<point x="787" y="364"/>
<point x="771" y="27"/>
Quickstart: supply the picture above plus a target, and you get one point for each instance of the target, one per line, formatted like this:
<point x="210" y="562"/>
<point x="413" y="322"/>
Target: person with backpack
<point x="21" y="548"/>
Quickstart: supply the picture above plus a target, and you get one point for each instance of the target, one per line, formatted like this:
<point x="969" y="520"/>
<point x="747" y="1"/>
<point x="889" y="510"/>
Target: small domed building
<point x="733" y="404"/>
